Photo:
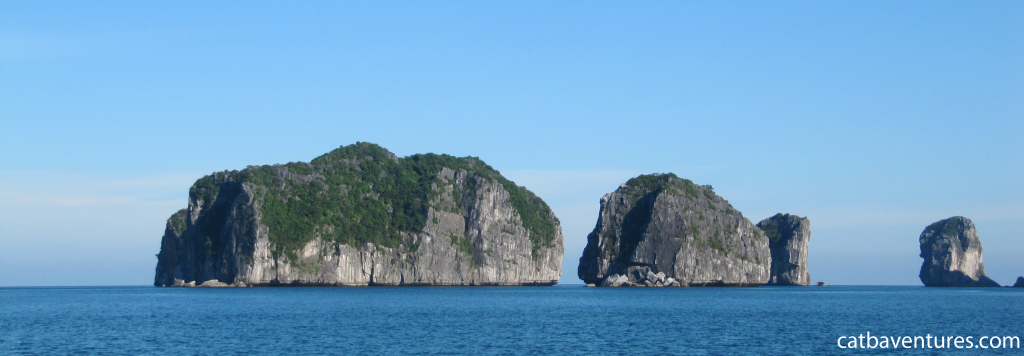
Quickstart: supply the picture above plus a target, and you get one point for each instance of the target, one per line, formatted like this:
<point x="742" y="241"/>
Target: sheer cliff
<point x="360" y="215"/>
<point x="660" y="229"/>
<point x="952" y="255"/>
<point x="788" y="237"/>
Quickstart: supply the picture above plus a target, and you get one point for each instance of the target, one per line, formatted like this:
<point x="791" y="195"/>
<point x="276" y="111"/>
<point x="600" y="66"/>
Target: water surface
<point x="564" y="319"/>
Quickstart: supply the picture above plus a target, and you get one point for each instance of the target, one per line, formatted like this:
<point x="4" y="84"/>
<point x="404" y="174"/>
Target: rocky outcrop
<point x="788" y="236"/>
<point x="167" y="259"/>
<point x="359" y="215"/>
<point x="1020" y="282"/>
<point x="642" y="276"/>
<point x="662" y="229"/>
<point x="952" y="255"/>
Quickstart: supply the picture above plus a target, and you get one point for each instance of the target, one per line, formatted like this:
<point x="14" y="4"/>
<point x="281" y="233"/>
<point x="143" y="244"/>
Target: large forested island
<point x="360" y="215"/>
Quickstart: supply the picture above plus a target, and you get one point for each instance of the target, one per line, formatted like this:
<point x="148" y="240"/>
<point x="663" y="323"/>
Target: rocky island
<point x="661" y="230"/>
<point x="952" y="255"/>
<point x="1019" y="283"/>
<point x="788" y="236"/>
<point x="360" y="215"/>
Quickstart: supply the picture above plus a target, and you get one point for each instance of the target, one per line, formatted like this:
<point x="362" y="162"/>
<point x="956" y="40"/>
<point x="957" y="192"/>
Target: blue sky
<point x="873" y="119"/>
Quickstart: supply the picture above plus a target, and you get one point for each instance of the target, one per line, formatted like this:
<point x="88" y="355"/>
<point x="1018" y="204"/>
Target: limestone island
<point x="662" y="230"/>
<point x="788" y="237"/>
<point x="360" y="215"/>
<point x="952" y="255"/>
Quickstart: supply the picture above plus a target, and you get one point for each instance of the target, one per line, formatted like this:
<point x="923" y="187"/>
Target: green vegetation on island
<point x="356" y="194"/>
<point x="771" y="229"/>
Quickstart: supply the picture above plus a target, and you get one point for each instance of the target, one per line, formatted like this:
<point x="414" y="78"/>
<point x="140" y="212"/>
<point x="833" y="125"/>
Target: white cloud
<point x="20" y="188"/>
<point x="53" y="225"/>
<point x="883" y="216"/>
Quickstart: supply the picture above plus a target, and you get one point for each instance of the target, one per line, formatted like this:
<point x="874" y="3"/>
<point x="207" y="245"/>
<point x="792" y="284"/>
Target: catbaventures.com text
<point x="928" y="342"/>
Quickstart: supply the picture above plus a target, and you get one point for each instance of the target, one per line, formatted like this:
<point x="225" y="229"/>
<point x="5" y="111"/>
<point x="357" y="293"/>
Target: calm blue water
<point x="492" y="320"/>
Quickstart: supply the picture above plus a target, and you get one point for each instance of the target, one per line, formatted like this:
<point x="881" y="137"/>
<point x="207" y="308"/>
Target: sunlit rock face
<point x="953" y="255"/>
<point x="661" y="230"/>
<point x="359" y="215"/>
<point x="788" y="237"/>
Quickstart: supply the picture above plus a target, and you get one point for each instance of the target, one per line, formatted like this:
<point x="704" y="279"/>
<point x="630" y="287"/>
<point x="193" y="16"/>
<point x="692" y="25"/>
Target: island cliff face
<point x="952" y="255"/>
<point x="788" y="236"/>
<point x="359" y="215"/>
<point x="1019" y="283"/>
<point x="660" y="230"/>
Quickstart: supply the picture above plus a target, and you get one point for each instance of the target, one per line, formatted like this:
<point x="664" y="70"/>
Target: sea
<point x="555" y="320"/>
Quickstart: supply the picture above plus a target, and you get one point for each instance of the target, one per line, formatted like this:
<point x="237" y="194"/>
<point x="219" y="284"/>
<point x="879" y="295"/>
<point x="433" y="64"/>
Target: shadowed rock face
<point x="788" y="236"/>
<point x="952" y="255"/>
<point x="1020" y="282"/>
<point x="359" y="215"/>
<point x="660" y="229"/>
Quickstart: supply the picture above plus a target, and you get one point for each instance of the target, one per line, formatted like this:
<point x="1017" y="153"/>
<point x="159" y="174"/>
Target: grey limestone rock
<point x="614" y="280"/>
<point x="214" y="283"/>
<point x="1020" y="282"/>
<point x="670" y="282"/>
<point x="361" y="216"/>
<point x="167" y="270"/>
<point x="660" y="226"/>
<point x="788" y="236"/>
<point x="953" y="255"/>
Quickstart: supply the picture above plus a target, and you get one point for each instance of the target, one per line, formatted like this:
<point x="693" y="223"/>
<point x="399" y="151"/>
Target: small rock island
<point x="788" y="236"/>
<point x="359" y="215"/>
<point x="1020" y="282"/>
<point x="952" y="255"/>
<point x="662" y="230"/>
